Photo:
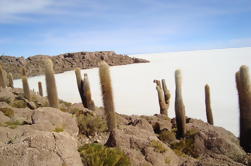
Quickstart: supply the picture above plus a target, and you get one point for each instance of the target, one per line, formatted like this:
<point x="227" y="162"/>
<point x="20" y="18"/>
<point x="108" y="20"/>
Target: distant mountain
<point x="64" y="62"/>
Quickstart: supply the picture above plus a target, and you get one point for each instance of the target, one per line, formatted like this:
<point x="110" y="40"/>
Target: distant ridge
<point x="64" y="62"/>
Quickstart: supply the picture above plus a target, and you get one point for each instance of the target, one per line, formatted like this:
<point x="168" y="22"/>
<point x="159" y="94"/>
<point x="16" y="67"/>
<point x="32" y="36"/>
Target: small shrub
<point x="67" y="104"/>
<point x="167" y="160"/>
<point x="58" y="130"/>
<point x="64" y="106"/>
<point x="186" y="146"/>
<point x="158" y="146"/>
<point x="99" y="155"/>
<point x="7" y="112"/>
<point x="167" y="136"/>
<point x="89" y="124"/>
<point x="76" y="111"/>
<point x="19" y="104"/>
<point x="13" y="124"/>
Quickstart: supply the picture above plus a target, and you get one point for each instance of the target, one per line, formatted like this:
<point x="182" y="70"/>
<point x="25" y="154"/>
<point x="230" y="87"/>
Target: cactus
<point x="106" y="87"/>
<point x="10" y="79"/>
<point x="84" y="90"/>
<point x="26" y="88"/>
<point x="80" y="85"/>
<point x="40" y="88"/>
<point x="2" y="80"/>
<point x="163" y="96"/>
<point x="87" y="93"/>
<point x="23" y="71"/>
<point x="78" y="77"/>
<point x="208" y="105"/>
<point x="157" y="83"/>
<point x="244" y="92"/>
<point x="162" y="104"/>
<point x="51" y="84"/>
<point x="167" y="94"/>
<point x="179" y="106"/>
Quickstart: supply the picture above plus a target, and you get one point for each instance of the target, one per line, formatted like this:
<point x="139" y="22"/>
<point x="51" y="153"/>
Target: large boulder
<point x="41" y="149"/>
<point x="47" y="118"/>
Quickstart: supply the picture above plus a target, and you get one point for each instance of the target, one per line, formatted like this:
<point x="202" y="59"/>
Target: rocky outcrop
<point x="64" y="62"/>
<point x="41" y="136"/>
<point x="36" y="137"/>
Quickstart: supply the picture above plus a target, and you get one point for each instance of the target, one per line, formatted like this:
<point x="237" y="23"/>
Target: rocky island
<point x="63" y="62"/>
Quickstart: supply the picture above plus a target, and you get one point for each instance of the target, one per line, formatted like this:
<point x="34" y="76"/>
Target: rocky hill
<point x="64" y="62"/>
<point x="33" y="134"/>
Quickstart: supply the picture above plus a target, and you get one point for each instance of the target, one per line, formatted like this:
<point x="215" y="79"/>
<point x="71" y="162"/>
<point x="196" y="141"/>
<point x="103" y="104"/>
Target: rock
<point x="64" y="62"/>
<point x="48" y="119"/>
<point x="136" y="139"/>
<point x="3" y="118"/>
<point x="6" y="95"/>
<point x="159" y="122"/>
<point x="45" y="148"/>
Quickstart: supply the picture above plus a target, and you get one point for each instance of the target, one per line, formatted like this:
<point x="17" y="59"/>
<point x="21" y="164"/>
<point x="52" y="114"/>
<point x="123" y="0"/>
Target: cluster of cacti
<point x="106" y="87"/>
<point x="40" y="88"/>
<point x="179" y="106"/>
<point x="208" y="105"/>
<point x="244" y="92"/>
<point x="163" y="96"/>
<point x="26" y="87"/>
<point x="2" y="80"/>
<point x="51" y="84"/>
<point x="84" y="90"/>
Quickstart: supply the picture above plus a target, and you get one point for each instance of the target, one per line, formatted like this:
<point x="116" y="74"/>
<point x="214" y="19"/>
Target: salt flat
<point x="135" y="93"/>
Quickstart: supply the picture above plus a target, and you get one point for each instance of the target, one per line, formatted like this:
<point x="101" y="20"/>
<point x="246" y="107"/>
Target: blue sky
<point x="30" y="27"/>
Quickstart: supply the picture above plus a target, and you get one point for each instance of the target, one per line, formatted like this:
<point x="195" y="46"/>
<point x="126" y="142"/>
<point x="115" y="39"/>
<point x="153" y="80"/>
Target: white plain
<point x="135" y="93"/>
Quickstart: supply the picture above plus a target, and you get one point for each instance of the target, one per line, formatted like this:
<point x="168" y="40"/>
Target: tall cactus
<point x="167" y="94"/>
<point x="244" y="92"/>
<point x="26" y="87"/>
<point x="106" y="87"/>
<point x="163" y="96"/>
<point x="87" y="93"/>
<point x="84" y="90"/>
<point x="208" y="105"/>
<point x="23" y="71"/>
<point x="40" y="88"/>
<point x="2" y="80"/>
<point x="78" y="78"/>
<point x="179" y="106"/>
<point x="10" y="79"/>
<point x="162" y="104"/>
<point x="80" y="84"/>
<point x="51" y="84"/>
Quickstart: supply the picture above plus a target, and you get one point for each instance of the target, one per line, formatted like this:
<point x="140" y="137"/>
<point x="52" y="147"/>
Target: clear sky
<point x="30" y="27"/>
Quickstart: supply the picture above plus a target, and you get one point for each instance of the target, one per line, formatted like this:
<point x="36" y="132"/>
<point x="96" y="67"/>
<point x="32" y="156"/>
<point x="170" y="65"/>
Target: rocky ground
<point x="63" y="62"/>
<point x="33" y="134"/>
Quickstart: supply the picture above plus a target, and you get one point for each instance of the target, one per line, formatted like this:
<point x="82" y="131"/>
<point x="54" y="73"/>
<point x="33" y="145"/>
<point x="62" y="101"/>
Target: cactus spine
<point x="26" y="87"/>
<point x="208" y="105"/>
<point x="106" y="87"/>
<point x="163" y="96"/>
<point x="179" y="106"/>
<point x="51" y="84"/>
<point x="244" y="92"/>
<point x="2" y="80"/>
<point x="10" y="79"/>
<point x="40" y="88"/>
<point x="87" y="93"/>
